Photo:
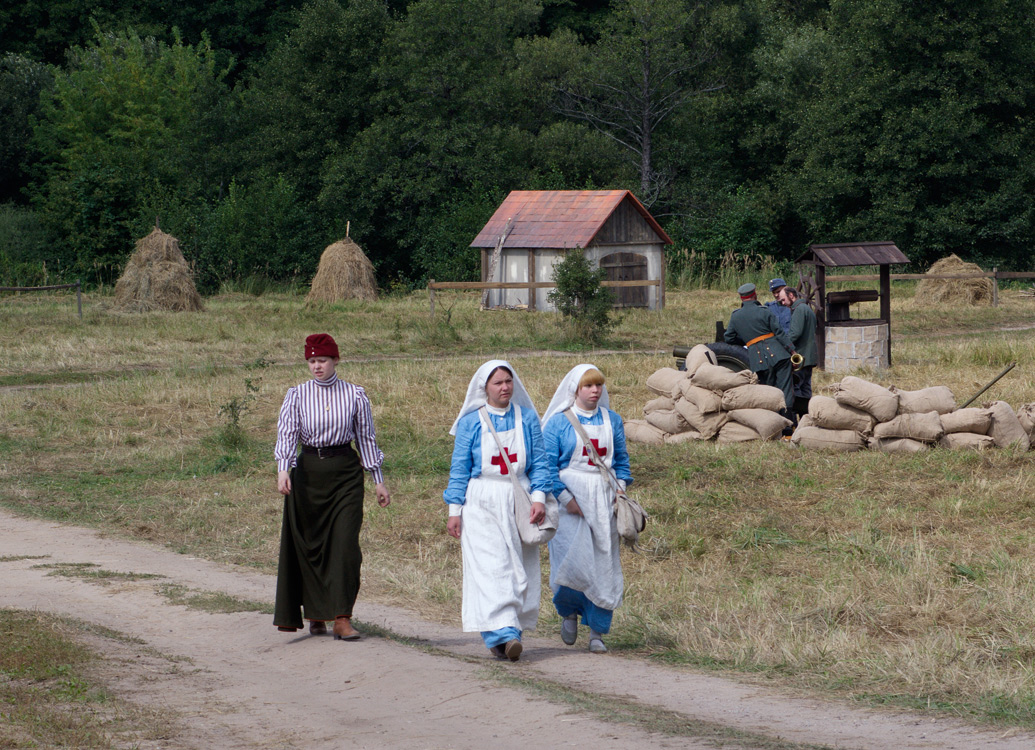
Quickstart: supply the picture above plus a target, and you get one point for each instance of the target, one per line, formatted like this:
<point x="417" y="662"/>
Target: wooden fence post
<point x="431" y="296"/>
<point x="79" y="297"/>
<point x="995" y="287"/>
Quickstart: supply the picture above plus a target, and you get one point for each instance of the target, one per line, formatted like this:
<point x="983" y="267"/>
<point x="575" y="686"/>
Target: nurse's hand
<point x="284" y="482"/>
<point x="573" y="508"/>
<point x="453" y="526"/>
<point x="538" y="514"/>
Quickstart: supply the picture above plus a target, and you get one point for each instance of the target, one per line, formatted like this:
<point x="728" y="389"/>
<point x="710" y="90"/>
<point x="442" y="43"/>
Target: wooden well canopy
<point x="833" y="308"/>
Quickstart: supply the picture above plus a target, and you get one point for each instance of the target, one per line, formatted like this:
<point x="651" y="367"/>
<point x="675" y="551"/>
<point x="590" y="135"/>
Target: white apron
<point x="584" y="555"/>
<point x="501" y="575"/>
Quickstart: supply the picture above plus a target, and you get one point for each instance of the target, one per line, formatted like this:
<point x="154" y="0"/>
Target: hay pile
<point x="960" y="291"/>
<point x="867" y="415"/>
<point x="708" y="402"/>
<point x="157" y="277"/>
<point x="345" y="272"/>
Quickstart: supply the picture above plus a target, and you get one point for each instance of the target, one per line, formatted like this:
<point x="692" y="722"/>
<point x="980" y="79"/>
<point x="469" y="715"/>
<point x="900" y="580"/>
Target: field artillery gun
<point x="729" y="356"/>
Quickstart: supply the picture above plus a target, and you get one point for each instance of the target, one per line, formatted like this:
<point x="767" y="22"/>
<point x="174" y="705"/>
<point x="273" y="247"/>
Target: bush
<point x="581" y="299"/>
<point x="25" y="246"/>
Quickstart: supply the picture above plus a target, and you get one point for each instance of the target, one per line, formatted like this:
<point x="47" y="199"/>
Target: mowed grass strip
<point x="891" y="579"/>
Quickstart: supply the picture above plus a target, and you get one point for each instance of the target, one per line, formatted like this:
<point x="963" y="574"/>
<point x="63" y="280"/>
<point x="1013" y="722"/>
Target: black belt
<point x="327" y="451"/>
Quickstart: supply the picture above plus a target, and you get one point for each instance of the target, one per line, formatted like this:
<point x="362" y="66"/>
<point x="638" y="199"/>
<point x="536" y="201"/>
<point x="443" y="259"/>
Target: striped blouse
<point x="322" y="413"/>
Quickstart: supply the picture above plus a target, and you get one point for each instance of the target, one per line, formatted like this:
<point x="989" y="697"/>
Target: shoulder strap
<point x="605" y="471"/>
<point x="518" y="487"/>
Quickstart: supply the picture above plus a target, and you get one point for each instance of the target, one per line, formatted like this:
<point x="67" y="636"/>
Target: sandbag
<point x="924" y="427"/>
<point x="699" y="355"/>
<point x="1006" y="428"/>
<point x="661" y="403"/>
<point x="897" y="445"/>
<point x="844" y="441"/>
<point x="684" y="437"/>
<point x="668" y="421"/>
<point x="806" y="421"/>
<point x="830" y="415"/>
<point x="706" y="424"/>
<point x="936" y="398"/>
<point x="753" y="397"/>
<point x="705" y="400"/>
<point x="967" y="420"/>
<point x="966" y="440"/>
<point x="718" y="378"/>
<point x="871" y="398"/>
<point x="665" y="382"/>
<point x="768" y="424"/>
<point x="734" y="432"/>
<point x="640" y="431"/>
<point x="1026" y="416"/>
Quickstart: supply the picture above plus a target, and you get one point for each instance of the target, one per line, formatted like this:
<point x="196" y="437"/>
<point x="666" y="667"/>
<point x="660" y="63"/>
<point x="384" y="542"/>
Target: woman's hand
<point x="383" y="498"/>
<point x="284" y="482"/>
<point x="573" y="508"/>
<point x="538" y="514"/>
<point x="453" y="526"/>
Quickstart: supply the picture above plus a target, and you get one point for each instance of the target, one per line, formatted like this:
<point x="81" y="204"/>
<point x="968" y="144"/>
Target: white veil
<point x="564" y="396"/>
<point x="476" y="397"/>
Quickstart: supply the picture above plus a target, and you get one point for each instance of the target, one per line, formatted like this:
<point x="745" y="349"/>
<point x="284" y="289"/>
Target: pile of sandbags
<point x="861" y="415"/>
<point x="707" y="402"/>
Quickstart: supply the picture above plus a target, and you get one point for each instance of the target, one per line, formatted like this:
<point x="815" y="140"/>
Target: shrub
<point x="580" y="297"/>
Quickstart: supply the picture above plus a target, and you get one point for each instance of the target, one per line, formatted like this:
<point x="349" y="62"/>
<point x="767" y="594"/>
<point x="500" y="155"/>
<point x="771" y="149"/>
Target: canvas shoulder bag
<point x="630" y="516"/>
<point x="532" y="534"/>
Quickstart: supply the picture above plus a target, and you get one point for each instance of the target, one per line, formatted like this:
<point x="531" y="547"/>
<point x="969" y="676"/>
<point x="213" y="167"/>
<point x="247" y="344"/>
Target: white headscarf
<point x="477" y="398"/>
<point x="564" y="396"/>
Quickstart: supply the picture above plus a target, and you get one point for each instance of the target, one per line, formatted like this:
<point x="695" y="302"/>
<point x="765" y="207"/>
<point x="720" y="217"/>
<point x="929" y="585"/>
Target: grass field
<point x="891" y="579"/>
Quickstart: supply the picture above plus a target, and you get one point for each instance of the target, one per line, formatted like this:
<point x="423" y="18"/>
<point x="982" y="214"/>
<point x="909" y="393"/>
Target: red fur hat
<point x="320" y="345"/>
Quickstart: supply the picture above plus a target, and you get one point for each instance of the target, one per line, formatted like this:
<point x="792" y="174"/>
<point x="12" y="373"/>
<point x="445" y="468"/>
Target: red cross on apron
<point x="596" y="444"/>
<point x="497" y="460"/>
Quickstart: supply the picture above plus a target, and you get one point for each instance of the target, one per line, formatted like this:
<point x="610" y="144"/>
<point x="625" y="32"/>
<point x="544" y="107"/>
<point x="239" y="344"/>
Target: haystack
<point x="345" y="272"/>
<point x="157" y="277"/>
<point x="959" y="291"/>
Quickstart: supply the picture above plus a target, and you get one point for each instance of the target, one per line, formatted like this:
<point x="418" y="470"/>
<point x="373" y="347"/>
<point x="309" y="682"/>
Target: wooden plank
<point x="526" y="285"/>
<point x="494" y="263"/>
<point x="531" y="280"/>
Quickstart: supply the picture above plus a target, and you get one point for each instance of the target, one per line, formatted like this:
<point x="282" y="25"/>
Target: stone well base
<point x="849" y="347"/>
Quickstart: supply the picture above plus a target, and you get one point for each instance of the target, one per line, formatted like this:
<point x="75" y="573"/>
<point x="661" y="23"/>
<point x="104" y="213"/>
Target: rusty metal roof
<point x="840" y="254"/>
<point x="559" y="219"/>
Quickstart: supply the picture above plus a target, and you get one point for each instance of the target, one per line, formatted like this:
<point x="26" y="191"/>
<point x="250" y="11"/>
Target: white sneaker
<point x="570" y="629"/>
<point x="596" y="643"/>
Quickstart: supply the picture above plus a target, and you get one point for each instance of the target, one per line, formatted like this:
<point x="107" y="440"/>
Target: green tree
<point x="128" y="114"/>
<point x="446" y="118"/>
<point x="311" y="98"/>
<point x="910" y="122"/>
<point x="581" y="298"/>
<point x="22" y="80"/>
<point x="651" y="60"/>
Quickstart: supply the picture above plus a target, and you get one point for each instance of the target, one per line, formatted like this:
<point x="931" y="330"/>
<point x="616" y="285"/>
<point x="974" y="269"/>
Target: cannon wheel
<point x="729" y="356"/>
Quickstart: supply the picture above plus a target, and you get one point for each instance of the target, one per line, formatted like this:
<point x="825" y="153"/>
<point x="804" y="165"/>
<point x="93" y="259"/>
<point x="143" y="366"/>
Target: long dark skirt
<point x="319" y="540"/>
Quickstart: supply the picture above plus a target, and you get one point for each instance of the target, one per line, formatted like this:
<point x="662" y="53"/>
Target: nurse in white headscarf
<point x="501" y="575"/>
<point x="585" y="569"/>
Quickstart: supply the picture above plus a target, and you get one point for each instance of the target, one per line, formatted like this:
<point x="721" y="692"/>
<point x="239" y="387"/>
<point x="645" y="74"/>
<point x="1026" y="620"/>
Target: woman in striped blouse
<point x="320" y="557"/>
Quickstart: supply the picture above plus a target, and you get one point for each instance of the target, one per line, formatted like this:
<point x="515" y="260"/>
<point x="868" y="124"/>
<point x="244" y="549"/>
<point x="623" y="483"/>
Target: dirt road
<point x="233" y="681"/>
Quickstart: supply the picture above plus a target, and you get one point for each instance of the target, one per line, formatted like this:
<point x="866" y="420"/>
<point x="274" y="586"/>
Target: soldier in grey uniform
<point x="783" y="314"/>
<point x="769" y="348"/>
<point x="803" y="337"/>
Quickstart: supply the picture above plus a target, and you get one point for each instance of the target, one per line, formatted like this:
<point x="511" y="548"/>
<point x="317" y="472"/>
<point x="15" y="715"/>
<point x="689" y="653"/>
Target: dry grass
<point x="955" y="291"/>
<point x="157" y="277"/>
<point x="903" y="579"/>
<point x="345" y="273"/>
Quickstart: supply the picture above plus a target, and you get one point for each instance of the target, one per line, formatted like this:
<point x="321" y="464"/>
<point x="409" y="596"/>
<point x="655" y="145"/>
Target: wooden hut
<point x="538" y="226"/>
